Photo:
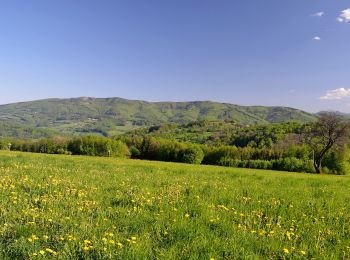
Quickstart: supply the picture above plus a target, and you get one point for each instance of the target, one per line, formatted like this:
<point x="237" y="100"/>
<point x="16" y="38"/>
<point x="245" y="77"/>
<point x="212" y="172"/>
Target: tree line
<point x="82" y="145"/>
<point x="318" y="147"/>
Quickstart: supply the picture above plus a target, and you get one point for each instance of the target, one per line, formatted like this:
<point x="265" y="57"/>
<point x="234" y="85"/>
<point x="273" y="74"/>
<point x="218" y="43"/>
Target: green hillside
<point x="108" y="116"/>
<point x="221" y="133"/>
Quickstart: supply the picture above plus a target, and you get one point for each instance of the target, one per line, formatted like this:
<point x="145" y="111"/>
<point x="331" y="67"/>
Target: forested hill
<point x="110" y="116"/>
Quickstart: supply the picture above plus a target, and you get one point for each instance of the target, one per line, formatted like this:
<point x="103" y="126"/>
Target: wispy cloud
<point x="317" y="38"/>
<point x="318" y="14"/>
<point x="344" y="16"/>
<point x="336" y="94"/>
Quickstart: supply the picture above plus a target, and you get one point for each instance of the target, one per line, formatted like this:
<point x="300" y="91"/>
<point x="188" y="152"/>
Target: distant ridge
<point x="110" y="116"/>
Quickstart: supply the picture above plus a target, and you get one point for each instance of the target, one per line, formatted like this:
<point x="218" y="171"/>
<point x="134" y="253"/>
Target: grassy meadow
<point x="66" y="207"/>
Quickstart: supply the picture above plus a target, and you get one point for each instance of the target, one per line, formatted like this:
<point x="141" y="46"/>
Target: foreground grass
<point x="91" y="208"/>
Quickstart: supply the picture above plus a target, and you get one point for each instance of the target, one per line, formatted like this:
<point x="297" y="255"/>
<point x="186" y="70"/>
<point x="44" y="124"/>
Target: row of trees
<point x="151" y="148"/>
<point x="321" y="146"/>
<point x="296" y="157"/>
<point x="288" y="146"/>
<point x="85" y="145"/>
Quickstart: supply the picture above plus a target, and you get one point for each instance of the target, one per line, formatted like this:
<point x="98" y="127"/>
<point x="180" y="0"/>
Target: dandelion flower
<point x="50" y="251"/>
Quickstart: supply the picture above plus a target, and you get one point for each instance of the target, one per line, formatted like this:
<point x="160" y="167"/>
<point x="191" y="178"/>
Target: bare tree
<point x="331" y="128"/>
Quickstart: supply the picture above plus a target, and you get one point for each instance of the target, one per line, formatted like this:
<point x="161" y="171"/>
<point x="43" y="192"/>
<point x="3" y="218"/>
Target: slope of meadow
<point x="100" y="208"/>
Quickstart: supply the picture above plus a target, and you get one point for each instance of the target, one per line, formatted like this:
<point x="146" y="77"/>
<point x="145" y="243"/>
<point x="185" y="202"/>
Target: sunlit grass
<point x="63" y="207"/>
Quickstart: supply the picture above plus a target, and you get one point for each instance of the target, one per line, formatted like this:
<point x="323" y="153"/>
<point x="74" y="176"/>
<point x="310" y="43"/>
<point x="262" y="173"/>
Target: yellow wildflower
<point x="51" y="251"/>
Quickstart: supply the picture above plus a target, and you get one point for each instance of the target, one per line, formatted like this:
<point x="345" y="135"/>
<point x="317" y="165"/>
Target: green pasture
<point x="75" y="207"/>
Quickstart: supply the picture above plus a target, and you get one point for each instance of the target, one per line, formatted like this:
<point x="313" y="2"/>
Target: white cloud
<point x="318" y="14"/>
<point x="336" y="94"/>
<point x="344" y="16"/>
<point x="317" y="38"/>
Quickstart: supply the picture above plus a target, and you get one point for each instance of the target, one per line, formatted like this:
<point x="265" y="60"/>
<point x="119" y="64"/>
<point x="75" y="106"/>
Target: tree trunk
<point x="318" y="164"/>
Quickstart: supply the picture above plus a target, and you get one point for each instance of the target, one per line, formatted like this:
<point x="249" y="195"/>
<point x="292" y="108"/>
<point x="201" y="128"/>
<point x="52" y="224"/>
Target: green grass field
<point x="63" y="207"/>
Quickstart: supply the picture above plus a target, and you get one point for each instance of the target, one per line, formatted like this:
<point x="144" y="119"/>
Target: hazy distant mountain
<point x="110" y="116"/>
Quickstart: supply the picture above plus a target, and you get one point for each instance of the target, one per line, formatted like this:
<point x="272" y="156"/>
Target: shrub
<point x="337" y="161"/>
<point x="260" y="164"/>
<point x="293" y="164"/>
<point x="226" y="161"/>
<point x="215" y="155"/>
<point x="5" y="144"/>
<point x="135" y="153"/>
<point x="192" y="154"/>
<point x="149" y="148"/>
<point x="98" y="146"/>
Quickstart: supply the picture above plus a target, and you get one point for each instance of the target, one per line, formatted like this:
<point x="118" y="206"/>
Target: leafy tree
<point x="329" y="130"/>
<point x="193" y="155"/>
<point x="98" y="146"/>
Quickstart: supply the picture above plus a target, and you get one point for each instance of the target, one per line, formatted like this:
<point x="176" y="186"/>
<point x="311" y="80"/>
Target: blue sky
<point x="251" y="52"/>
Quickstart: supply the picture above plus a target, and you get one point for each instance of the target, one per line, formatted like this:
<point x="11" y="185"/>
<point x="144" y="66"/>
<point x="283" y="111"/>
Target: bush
<point x="217" y="155"/>
<point x="337" y="161"/>
<point x="226" y="161"/>
<point x="193" y="155"/>
<point x="260" y="164"/>
<point x="149" y="148"/>
<point x="135" y="153"/>
<point x="98" y="146"/>
<point x="293" y="164"/>
<point x="5" y="144"/>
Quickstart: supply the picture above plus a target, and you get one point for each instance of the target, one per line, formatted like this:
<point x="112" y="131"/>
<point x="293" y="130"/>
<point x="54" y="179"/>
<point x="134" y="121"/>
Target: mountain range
<point x="110" y="116"/>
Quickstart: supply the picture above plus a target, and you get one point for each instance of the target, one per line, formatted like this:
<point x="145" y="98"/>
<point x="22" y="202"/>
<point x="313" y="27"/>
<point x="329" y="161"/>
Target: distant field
<point x="101" y="208"/>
